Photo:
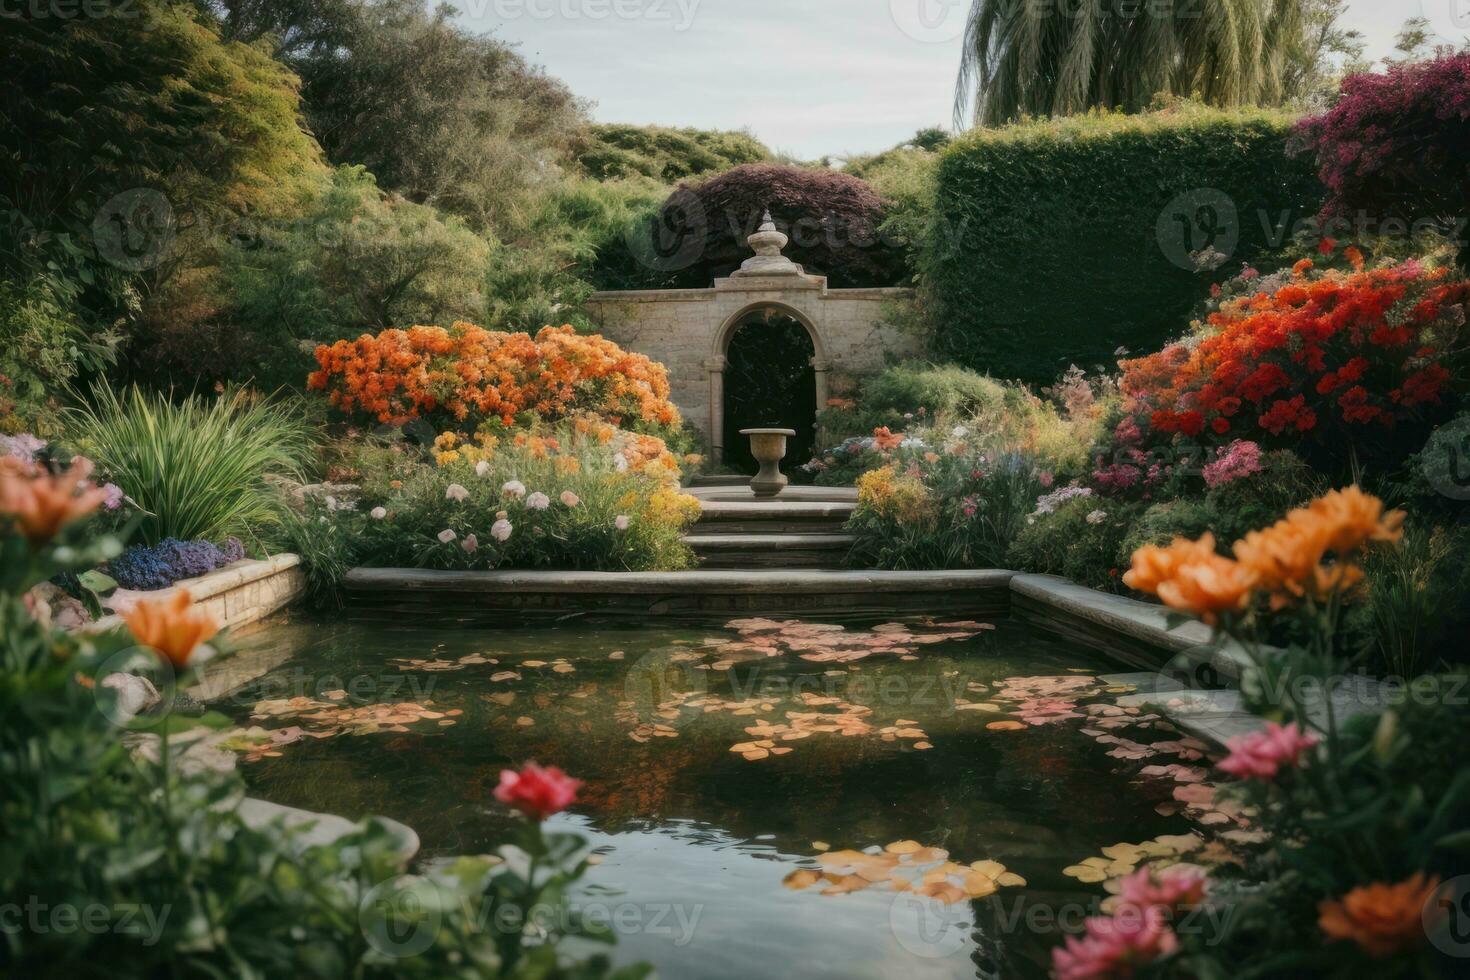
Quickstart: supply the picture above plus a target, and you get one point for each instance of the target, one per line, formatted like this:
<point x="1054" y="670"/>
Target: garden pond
<point x="767" y="797"/>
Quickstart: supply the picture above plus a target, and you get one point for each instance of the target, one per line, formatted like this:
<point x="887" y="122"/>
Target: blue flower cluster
<point x="171" y="560"/>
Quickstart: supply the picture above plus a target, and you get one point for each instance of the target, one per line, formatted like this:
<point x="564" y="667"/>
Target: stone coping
<point x="814" y="582"/>
<point x="742" y="493"/>
<point x="1129" y="627"/>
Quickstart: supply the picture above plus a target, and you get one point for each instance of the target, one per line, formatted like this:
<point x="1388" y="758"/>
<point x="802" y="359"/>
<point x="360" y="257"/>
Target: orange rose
<point x="1382" y="919"/>
<point x="171" y="627"/>
<point x="1208" y="587"/>
<point x="41" y="504"/>
<point x="1153" y="565"/>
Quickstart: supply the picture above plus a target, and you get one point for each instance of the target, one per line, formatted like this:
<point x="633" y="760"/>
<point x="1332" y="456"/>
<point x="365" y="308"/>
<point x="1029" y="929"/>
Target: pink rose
<point x="537" y="792"/>
<point x="1112" y="947"/>
<point x="1173" y="888"/>
<point x="1261" y="755"/>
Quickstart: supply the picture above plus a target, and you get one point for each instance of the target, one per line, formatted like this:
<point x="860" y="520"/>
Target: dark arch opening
<point x="770" y="383"/>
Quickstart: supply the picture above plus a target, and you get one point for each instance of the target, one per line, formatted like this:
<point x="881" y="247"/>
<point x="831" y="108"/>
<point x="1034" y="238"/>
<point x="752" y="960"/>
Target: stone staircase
<point x="802" y="528"/>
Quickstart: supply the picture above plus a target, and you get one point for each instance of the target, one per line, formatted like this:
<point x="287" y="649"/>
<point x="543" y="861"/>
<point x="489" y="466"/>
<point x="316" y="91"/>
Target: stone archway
<point x="769" y="369"/>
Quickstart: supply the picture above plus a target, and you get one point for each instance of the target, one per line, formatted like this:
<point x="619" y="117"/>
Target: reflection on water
<point x="720" y="761"/>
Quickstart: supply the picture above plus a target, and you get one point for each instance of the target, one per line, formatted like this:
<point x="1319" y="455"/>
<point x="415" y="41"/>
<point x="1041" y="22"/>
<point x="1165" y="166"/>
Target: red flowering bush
<point x="469" y="373"/>
<point x="1334" y="356"/>
<point x="1398" y="143"/>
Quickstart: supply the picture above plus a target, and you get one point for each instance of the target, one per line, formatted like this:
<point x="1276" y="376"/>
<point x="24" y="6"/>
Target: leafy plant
<point x="197" y="467"/>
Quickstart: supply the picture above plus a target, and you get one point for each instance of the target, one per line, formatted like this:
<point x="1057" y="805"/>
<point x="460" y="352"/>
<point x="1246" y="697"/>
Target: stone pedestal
<point x="768" y="446"/>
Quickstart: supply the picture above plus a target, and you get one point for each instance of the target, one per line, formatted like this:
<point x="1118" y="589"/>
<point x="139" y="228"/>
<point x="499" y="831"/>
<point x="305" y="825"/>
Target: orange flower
<point x="41" y="504"/>
<point x="1285" y="556"/>
<point x="884" y="440"/>
<point x="171" y="627"/>
<point x="1153" y="565"/>
<point x="1352" y="518"/>
<point x="1382" y="919"/>
<point x="1209" y="587"/>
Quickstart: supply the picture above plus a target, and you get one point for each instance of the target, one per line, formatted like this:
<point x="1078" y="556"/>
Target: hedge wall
<point x="1059" y="241"/>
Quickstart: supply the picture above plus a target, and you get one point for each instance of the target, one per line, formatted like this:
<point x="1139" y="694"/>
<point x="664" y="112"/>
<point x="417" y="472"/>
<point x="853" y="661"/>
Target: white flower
<point x="621" y="522"/>
<point x="959" y="432"/>
<point x="447" y="535"/>
<point x="570" y="499"/>
<point x="514" y="488"/>
<point x="470" y="544"/>
<point x="620" y="463"/>
<point x="501" y="530"/>
<point x="378" y="513"/>
<point x="456" y="492"/>
<point x="1097" y="517"/>
<point x="538" y="501"/>
<point x="482" y="468"/>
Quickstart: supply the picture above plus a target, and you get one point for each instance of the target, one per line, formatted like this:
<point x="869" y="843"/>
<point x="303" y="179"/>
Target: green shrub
<point x="1056" y="242"/>
<point x="43" y="346"/>
<point x="1418" y="602"/>
<point x="197" y="468"/>
<point x="611" y="151"/>
<point x="1080" y="540"/>
<point x="952" y="510"/>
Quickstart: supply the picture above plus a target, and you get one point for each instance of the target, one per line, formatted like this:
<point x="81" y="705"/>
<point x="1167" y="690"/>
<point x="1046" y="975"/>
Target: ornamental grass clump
<point x="197" y="467"/>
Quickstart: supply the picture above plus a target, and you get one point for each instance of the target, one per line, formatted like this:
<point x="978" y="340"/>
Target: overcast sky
<point x="809" y="77"/>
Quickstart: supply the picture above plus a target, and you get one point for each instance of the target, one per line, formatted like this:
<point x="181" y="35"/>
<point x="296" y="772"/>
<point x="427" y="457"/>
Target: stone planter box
<point x="238" y="594"/>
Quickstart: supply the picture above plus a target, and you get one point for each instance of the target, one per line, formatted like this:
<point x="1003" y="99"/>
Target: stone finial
<point x="767" y="243"/>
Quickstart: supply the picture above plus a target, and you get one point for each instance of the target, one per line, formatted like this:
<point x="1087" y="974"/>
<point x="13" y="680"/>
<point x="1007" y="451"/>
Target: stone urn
<point x="768" y="446"/>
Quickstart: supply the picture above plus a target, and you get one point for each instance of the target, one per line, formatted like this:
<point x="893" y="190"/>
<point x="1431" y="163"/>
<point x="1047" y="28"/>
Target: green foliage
<point x="1057" y="242"/>
<point x="904" y="179"/>
<point x="1028" y="59"/>
<point x="441" y="115"/>
<point x="125" y="863"/>
<point x="1080" y="540"/>
<point x="43" y="346"/>
<point x="962" y="512"/>
<point x="139" y="96"/>
<point x="198" y="467"/>
<point x="354" y="260"/>
<point x="1418" y="602"/>
<point x="611" y="151"/>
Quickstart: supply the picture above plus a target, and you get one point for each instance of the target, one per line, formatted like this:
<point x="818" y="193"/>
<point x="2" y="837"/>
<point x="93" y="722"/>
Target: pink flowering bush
<point x="1240" y="459"/>
<point x="1397" y="143"/>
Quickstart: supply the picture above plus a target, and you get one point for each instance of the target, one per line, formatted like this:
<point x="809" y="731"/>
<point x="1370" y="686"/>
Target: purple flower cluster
<point x="171" y="560"/>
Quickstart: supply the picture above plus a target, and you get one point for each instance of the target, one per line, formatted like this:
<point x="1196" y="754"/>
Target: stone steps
<point x="734" y="551"/>
<point x="804" y="517"/>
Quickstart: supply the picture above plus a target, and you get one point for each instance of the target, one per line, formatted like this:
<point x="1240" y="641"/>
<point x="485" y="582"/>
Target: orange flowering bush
<point x="467" y="373"/>
<point x="1334" y="354"/>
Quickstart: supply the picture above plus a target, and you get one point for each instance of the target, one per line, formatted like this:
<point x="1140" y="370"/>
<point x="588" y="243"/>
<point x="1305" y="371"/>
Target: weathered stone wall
<point x="689" y="330"/>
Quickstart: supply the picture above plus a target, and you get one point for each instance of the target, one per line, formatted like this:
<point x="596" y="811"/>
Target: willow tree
<point x="1057" y="57"/>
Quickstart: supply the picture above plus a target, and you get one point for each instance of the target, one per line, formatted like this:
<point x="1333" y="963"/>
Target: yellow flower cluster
<point x="450" y="447"/>
<point x="900" y="498"/>
<point x="1287" y="561"/>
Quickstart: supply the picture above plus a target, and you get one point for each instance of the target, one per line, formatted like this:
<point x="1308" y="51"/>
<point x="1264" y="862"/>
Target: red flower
<point x="1327" y="246"/>
<point x="537" y="792"/>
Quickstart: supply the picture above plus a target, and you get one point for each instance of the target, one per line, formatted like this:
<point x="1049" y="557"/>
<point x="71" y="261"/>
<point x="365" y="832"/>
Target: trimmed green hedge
<point x="1056" y="242"/>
